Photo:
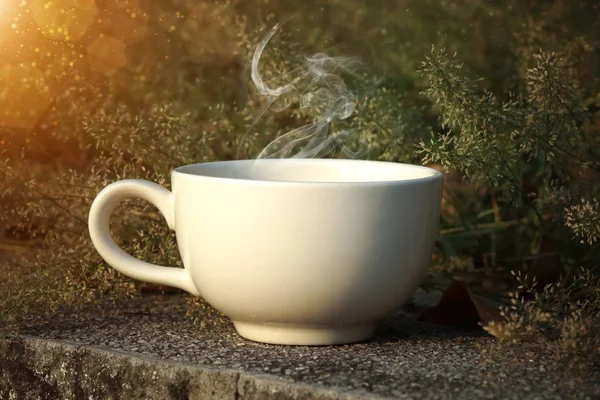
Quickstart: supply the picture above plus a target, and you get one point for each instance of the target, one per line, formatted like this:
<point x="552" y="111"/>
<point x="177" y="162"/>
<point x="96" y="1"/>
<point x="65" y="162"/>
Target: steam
<point x="319" y="87"/>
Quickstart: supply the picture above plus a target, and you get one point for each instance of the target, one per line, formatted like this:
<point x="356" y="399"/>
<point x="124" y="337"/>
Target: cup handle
<point x="98" y="221"/>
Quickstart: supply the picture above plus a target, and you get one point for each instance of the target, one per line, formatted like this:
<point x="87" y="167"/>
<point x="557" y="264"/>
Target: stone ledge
<point x="44" y="369"/>
<point x="148" y="348"/>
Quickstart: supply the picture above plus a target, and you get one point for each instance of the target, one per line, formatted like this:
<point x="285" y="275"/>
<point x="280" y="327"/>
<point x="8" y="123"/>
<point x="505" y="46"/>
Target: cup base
<point x="299" y="335"/>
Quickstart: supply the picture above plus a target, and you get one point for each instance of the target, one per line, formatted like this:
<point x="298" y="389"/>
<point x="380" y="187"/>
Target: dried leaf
<point x="459" y="307"/>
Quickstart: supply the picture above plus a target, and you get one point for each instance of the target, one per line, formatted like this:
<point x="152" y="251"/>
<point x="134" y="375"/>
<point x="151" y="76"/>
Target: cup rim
<point x="434" y="174"/>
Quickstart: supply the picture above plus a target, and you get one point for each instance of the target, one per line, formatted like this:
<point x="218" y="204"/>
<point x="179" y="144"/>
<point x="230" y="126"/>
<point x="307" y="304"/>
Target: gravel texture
<point x="405" y="359"/>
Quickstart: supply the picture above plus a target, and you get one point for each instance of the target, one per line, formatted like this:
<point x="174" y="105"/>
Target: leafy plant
<point x="534" y="151"/>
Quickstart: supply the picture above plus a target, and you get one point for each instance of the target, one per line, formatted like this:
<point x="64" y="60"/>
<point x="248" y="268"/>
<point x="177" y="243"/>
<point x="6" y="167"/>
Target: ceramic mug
<point x="294" y="251"/>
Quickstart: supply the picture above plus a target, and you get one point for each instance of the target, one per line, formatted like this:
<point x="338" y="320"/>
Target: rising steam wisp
<point x="320" y="88"/>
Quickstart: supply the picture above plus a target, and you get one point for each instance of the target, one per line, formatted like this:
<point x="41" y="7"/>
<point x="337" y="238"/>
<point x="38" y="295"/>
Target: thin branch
<point x="490" y="225"/>
<point x="45" y="196"/>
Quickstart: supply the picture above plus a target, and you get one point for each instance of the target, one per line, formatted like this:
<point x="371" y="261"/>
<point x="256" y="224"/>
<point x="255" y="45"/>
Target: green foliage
<point x="484" y="149"/>
<point x="565" y="313"/>
<point x="534" y="149"/>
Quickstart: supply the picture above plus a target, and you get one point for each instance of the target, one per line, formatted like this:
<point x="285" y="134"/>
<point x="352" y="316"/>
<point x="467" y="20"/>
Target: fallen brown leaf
<point x="460" y="307"/>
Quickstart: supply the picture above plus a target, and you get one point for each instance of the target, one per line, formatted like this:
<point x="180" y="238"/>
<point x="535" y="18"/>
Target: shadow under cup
<point x="294" y="251"/>
<point x="306" y="251"/>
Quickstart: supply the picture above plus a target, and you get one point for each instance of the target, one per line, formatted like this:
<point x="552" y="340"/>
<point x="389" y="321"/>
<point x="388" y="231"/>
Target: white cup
<point x="294" y="251"/>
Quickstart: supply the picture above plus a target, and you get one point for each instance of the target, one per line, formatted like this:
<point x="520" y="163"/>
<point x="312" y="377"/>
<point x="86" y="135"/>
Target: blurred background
<point x="502" y="95"/>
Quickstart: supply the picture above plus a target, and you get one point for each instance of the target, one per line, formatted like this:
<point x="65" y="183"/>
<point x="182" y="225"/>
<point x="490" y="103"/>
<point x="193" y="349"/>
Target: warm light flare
<point x="24" y="96"/>
<point x="67" y="20"/>
<point x="107" y="55"/>
<point x="9" y="18"/>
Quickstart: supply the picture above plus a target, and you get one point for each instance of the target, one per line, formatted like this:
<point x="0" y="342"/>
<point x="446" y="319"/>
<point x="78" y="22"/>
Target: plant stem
<point x="491" y="225"/>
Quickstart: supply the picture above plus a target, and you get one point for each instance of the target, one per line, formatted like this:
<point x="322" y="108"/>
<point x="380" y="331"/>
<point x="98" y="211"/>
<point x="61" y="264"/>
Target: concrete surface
<point x="147" y="348"/>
